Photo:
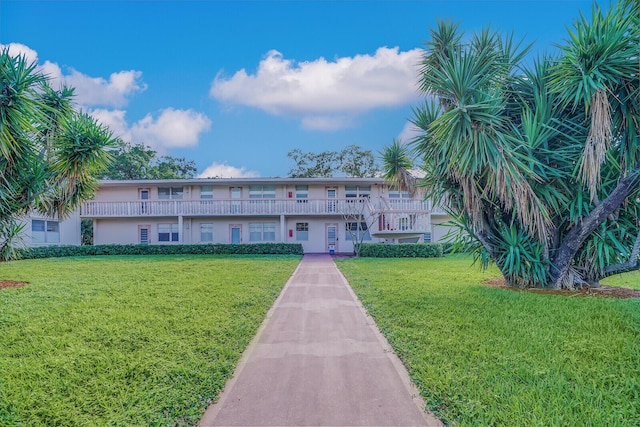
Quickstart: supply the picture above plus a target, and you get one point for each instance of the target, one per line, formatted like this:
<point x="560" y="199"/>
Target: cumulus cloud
<point x="324" y="94"/>
<point x="104" y="99"/>
<point x="90" y="91"/>
<point x="222" y="170"/>
<point x="171" y="129"/>
<point x="408" y="133"/>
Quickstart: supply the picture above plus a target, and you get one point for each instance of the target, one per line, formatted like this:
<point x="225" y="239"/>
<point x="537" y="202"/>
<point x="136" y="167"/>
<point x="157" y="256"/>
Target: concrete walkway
<point x="318" y="360"/>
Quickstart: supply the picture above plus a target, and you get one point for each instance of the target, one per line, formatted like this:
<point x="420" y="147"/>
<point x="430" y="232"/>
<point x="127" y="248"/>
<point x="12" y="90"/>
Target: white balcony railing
<point x="400" y="223"/>
<point x="142" y="208"/>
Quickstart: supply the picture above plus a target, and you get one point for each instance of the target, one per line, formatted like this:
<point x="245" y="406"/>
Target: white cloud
<point x="408" y="133"/>
<point x="172" y="128"/>
<point x="90" y="91"/>
<point x="325" y="95"/>
<point x="221" y="170"/>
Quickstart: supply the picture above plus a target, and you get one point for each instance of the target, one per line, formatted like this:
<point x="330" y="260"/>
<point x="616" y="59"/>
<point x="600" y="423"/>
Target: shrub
<point x="402" y="250"/>
<point x="199" y="249"/>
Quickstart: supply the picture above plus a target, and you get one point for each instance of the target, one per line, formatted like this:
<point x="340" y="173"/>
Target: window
<point x="395" y="194"/>
<point x="206" y="232"/>
<point x="302" y="193"/>
<point x="206" y="192"/>
<point x="43" y="231"/>
<point x="262" y="231"/>
<point x="143" y="234"/>
<point x="358" y="230"/>
<point x="302" y="231"/>
<point x="169" y="192"/>
<point x="427" y="237"/>
<point x="262" y="191"/>
<point x="355" y="191"/>
<point x="168" y="232"/>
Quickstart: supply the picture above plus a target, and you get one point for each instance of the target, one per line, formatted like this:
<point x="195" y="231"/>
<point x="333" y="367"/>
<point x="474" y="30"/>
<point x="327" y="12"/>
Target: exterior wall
<point x="118" y="211"/>
<point x="69" y="230"/>
<point x="438" y="228"/>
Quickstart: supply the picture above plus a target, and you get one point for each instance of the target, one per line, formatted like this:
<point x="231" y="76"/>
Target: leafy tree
<point x="49" y="153"/>
<point x="539" y="164"/>
<point x="142" y="162"/>
<point x="350" y="161"/>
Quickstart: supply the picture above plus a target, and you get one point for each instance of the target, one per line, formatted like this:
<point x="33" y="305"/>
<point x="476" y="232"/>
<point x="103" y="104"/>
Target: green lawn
<point x="487" y="356"/>
<point x="127" y="340"/>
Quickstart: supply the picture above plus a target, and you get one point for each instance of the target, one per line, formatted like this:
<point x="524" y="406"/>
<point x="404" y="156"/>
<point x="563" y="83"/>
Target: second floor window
<point x="170" y="192"/>
<point x="354" y="191"/>
<point x="262" y="191"/>
<point x="302" y="193"/>
<point x="206" y="192"/>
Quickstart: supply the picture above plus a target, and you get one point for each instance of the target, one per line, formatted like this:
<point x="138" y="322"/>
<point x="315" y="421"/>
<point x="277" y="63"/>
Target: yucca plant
<point x="539" y="164"/>
<point x="49" y="153"/>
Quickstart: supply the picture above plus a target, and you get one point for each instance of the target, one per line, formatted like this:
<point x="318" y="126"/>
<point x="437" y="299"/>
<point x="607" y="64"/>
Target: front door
<point x="236" y="232"/>
<point x="332" y="238"/>
<point x="331" y="196"/>
<point x="144" y="195"/>
<point x="143" y="234"/>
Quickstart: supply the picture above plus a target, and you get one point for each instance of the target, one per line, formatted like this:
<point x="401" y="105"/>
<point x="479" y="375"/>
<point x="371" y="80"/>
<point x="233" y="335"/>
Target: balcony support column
<point x="180" y="229"/>
<point x="283" y="231"/>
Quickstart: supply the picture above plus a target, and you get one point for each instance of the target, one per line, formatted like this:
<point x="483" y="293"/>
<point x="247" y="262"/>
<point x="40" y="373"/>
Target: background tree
<point x="539" y="165"/>
<point x="351" y="161"/>
<point x="142" y="162"/>
<point x="49" y="153"/>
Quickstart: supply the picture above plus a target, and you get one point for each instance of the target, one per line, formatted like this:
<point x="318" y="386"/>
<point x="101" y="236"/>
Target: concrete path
<point x="318" y="360"/>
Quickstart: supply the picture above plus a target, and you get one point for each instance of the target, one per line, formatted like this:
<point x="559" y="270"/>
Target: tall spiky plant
<point x="538" y="164"/>
<point x="49" y="153"/>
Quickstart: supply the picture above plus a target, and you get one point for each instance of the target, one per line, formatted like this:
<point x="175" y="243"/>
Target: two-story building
<point x="323" y="214"/>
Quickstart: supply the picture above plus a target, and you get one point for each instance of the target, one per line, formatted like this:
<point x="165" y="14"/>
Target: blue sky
<point x="236" y="85"/>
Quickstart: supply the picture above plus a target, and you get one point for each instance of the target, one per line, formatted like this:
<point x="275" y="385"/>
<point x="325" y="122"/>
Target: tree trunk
<point x="576" y="237"/>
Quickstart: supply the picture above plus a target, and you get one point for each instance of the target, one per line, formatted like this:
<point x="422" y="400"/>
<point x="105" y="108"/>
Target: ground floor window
<point x="356" y="231"/>
<point x="262" y="231"/>
<point x="302" y="231"/>
<point x="427" y="237"/>
<point x="43" y="231"/>
<point x="168" y="233"/>
<point x="206" y="232"/>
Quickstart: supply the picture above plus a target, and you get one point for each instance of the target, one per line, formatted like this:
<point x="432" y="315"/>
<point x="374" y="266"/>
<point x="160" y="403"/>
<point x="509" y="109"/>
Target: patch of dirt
<point x="11" y="284"/>
<point x="601" y="292"/>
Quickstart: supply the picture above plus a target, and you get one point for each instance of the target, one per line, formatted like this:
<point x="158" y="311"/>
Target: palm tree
<point x="539" y="165"/>
<point x="49" y="153"/>
<point x="397" y="165"/>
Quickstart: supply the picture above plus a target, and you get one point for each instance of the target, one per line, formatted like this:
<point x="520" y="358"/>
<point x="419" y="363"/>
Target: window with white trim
<point x="357" y="230"/>
<point x="262" y="231"/>
<point x="356" y="191"/>
<point x="427" y="237"/>
<point x="170" y="192"/>
<point x="302" y="193"/>
<point x="168" y="233"/>
<point x="43" y="231"/>
<point x="206" y="232"/>
<point x="206" y="192"/>
<point x="302" y="231"/>
<point x="262" y="191"/>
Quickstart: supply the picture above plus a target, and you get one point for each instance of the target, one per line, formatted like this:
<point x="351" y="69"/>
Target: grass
<point x="127" y="340"/>
<point x="627" y="280"/>
<point x="488" y="356"/>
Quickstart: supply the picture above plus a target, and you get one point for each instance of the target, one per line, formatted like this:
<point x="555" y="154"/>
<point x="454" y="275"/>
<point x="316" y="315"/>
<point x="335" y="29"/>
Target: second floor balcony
<point x="246" y="207"/>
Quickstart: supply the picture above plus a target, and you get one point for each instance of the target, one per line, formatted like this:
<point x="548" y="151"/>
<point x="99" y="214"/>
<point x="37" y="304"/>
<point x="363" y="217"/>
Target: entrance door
<point x="236" y="232"/>
<point x="143" y="234"/>
<point x="332" y="192"/>
<point x="332" y="238"/>
<point x="144" y="195"/>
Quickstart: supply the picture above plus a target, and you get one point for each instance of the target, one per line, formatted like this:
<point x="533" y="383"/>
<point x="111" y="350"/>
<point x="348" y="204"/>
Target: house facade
<point x="322" y="214"/>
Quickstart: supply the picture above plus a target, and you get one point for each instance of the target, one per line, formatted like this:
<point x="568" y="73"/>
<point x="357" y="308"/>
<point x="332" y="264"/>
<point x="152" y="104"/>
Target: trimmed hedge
<point x="401" y="250"/>
<point x="201" y="249"/>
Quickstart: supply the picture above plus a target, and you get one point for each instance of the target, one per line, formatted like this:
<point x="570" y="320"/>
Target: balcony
<point x="251" y="207"/>
<point x="400" y="225"/>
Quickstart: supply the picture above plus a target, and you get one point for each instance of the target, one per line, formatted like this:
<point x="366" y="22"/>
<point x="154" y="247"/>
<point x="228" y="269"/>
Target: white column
<point x="180" y="229"/>
<point x="283" y="231"/>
